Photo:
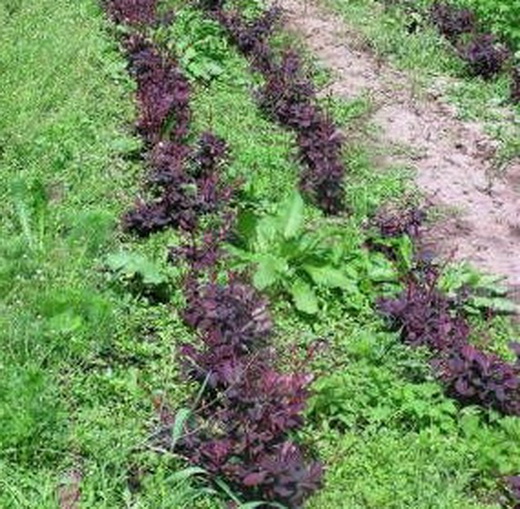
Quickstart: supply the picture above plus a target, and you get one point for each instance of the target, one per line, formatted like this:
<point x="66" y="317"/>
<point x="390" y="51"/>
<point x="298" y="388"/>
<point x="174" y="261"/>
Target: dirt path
<point x="454" y="159"/>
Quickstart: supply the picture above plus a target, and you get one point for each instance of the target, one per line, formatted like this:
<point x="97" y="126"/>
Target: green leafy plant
<point x="31" y="205"/>
<point x="199" y="43"/>
<point x="137" y="274"/>
<point x="479" y="292"/>
<point x="495" y="442"/>
<point x="290" y="259"/>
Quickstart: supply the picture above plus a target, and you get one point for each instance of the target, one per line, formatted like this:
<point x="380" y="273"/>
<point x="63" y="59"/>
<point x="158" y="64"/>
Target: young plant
<point x="475" y="292"/>
<point x="451" y="21"/>
<point x="132" y="12"/>
<point x="138" y="274"/>
<point x="484" y="55"/>
<point x="290" y="259"/>
<point x="287" y="258"/>
<point x="199" y="43"/>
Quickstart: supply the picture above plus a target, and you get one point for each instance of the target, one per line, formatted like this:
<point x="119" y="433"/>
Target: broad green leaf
<point x="267" y="230"/>
<point x="382" y="274"/>
<point x="132" y="264"/>
<point x="268" y="272"/>
<point x="304" y="297"/>
<point x="292" y="216"/>
<point x="242" y="255"/>
<point x="246" y="225"/>
<point x="498" y="304"/>
<point x="329" y="277"/>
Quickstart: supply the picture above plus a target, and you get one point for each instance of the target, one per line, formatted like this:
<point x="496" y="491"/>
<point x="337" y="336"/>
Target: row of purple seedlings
<point x="242" y="420"/>
<point x="482" y="51"/>
<point x="289" y="97"/>
<point x="426" y="317"/>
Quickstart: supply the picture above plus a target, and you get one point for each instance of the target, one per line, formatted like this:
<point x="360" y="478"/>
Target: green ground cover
<point x="86" y="351"/>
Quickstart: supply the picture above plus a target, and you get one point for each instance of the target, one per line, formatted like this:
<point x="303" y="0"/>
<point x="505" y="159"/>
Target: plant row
<point x="426" y="317"/>
<point x="484" y="54"/>
<point x="289" y="97"/>
<point x="239" y="431"/>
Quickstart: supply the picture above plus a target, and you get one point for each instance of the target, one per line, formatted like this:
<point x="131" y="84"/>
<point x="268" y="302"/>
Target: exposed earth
<point x="454" y="159"/>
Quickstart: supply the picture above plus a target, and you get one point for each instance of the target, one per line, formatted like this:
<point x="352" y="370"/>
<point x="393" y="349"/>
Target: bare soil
<point x="69" y="492"/>
<point x="454" y="160"/>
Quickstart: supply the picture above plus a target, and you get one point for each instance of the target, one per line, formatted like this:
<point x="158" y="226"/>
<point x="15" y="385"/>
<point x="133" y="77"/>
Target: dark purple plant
<point x="452" y="21"/>
<point x="424" y="316"/>
<point x="247" y="408"/>
<point x="513" y="487"/>
<point x="163" y="93"/>
<point x="252" y="37"/>
<point x="211" y="153"/>
<point x="189" y="184"/>
<point x="320" y="149"/>
<point x="400" y="222"/>
<point x="484" y="56"/>
<point x="232" y="314"/>
<point x="168" y="161"/>
<point x="288" y="96"/>
<point x="146" y="218"/>
<point x="477" y="378"/>
<point x="132" y="12"/>
<point x="515" y="85"/>
<point x="253" y="408"/>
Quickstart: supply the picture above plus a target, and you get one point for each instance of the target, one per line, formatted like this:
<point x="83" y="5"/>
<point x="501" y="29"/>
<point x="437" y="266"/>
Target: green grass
<point x="86" y="352"/>
<point x="81" y="358"/>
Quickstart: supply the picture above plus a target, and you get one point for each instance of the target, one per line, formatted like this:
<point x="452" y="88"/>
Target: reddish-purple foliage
<point x="232" y="314"/>
<point x="478" y="378"/>
<point x="201" y="256"/>
<point x="163" y="93"/>
<point x="513" y="486"/>
<point x="246" y="408"/>
<point x="132" y="12"/>
<point x="189" y="187"/>
<point x="168" y="160"/>
<point x="484" y="55"/>
<point x="211" y="153"/>
<point x="289" y="97"/>
<point x="406" y="222"/>
<point x="424" y="316"/>
<point x="252" y="37"/>
<point x="452" y="21"/>
<point x="515" y="85"/>
<point x="278" y="473"/>
<point x="249" y="408"/>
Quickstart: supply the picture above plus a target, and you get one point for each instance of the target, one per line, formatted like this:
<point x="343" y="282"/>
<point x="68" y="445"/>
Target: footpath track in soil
<point x="454" y="160"/>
